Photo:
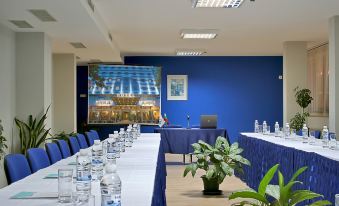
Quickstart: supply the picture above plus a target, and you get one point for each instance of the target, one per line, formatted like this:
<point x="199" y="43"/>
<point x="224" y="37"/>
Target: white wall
<point x="64" y="92"/>
<point x="294" y="74"/>
<point x="7" y="87"/>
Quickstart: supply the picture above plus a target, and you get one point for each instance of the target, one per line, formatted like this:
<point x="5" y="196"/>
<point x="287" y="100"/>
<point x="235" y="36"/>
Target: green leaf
<point x="273" y="191"/>
<point x="297" y="173"/>
<point x="267" y="179"/>
<point x="218" y="157"/>
<point x="187" y="170"/>
<point x="196" y="147"/>
<point x="194" y="169"/>
<point x="249" y="195"/>
<point x="210" y="173"/>
<point x="281" y="179"/>
<point x="321" y="203"/>
<point x="302" y="195"/>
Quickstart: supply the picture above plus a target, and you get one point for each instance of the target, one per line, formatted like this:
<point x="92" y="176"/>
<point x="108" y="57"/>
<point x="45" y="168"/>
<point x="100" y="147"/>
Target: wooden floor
<point x="187" y="191"/>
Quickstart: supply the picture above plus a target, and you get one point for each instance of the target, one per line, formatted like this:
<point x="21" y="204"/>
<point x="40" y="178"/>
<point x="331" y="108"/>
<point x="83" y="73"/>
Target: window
<point x="318" y="80"/>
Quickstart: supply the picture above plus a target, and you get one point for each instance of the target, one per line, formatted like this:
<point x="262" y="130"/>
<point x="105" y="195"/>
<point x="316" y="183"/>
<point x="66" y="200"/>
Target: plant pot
<point x="211" y="186"/>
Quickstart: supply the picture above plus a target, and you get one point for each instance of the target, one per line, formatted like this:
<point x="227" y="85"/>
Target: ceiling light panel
<point x="198" y="34"/>
<point x="42" y="15"/>
<point x="216" y="3"/>
<point x="190" y="52"/>
<point x="21" y="24"/>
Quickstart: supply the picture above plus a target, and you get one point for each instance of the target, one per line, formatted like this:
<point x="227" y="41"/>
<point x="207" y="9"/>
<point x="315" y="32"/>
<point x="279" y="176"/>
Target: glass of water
<point x="333" y="141"/>
<point x="268" y="130"/>
<point x="260" y="129"/>
<point x="65" y="182"/>
<point x="312" y="137"/>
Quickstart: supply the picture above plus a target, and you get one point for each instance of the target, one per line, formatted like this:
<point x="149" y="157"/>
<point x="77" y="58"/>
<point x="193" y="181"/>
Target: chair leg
<point x="183" y="157"/>
<point x="191" y="158"/>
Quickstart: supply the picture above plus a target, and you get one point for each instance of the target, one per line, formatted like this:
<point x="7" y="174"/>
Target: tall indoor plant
<point x="303" y="99"/>
<point x="217" y="161"/>
<point x="3" y="145"/>
<point x="33" y="133"/>
<point x="278" y="195"/>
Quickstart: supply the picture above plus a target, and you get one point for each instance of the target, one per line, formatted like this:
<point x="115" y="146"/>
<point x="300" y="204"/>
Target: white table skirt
<point x="296" y="143"/>
<point x="136" y="168"/>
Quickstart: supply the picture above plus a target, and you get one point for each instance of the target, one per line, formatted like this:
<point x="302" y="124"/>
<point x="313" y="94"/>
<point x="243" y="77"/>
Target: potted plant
<point x="3" y="145"/>
<point x="276" y="195"/>
<point x="217" y="161"/>
<point x="303" y="99"/>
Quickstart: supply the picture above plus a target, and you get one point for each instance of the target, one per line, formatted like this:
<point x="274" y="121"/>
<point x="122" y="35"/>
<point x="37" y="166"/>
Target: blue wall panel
<point x="237" y="89"/>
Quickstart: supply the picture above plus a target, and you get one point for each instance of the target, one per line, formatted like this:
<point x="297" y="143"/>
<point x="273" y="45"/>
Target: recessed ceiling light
<point x="216" y="3"/>
<point x="21" y="24"/>
<point x="78" y="45"/>
<point x="43" y="15"/>
<point x="187" y="52"/>
<point x="199" y="34"/>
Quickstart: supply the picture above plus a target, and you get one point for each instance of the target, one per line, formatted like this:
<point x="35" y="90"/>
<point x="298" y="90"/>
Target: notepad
<point x="35" y="195"/>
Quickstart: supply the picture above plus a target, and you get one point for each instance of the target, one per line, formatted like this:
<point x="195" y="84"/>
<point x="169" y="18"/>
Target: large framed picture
<point x="177" y="87"/>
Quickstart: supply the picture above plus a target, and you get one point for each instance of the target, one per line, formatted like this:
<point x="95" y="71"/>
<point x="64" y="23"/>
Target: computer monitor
<point x="208" y="121"/>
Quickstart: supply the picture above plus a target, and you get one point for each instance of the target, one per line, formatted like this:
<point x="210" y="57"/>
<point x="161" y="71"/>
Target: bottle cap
<point x="96" y="142"/>
<point x="83" y="152"/>
<point x="304" y="125"/>
<point x="122" y="129"/>
<point x="115" y="132"/>
<point x="264" y="121"/>
<point x="325" y="127"/>
<point x="110" y="168"/>
<point x="276" y="122"/>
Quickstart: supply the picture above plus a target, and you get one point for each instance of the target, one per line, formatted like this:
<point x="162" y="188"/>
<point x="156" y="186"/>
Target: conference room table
<point x="264" y="151"/>
<point x="180" y="140"/>
<point x="141" y="168"/>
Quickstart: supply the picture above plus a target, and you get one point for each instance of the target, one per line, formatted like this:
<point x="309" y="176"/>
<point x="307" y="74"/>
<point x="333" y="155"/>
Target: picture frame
<point x="177" y="87"/>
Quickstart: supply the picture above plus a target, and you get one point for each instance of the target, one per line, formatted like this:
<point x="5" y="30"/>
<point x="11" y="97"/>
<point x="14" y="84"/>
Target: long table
<point x="141" y="168"/>
<point x="322" y="175"/>
<point x="179" y="140"/>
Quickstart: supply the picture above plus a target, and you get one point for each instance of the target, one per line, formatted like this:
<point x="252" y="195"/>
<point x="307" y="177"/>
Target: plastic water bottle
<point x="122" y="139"/>
<point x="256" y="126"/>
<point x="83" y="175"/>
<point x="264" y="127"/>
<point x="111" y="150"/>
<point x="117" y="144"/>
<point x="305" y="133"/>
<point x="97" y="161"/>
<point x="110" y="187"/>
<point x="325" y="138"/>
<point x="276" y="129"/>
<point x="129" y="138"/>
<point x="139" y="130"/>
<point x="287" y="130"/>
<point x="135" y="132"/>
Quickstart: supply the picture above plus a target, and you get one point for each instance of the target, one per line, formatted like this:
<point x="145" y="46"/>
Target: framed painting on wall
<point x="177" y="87"/>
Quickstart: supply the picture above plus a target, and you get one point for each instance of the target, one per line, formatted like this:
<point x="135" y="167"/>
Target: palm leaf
<point x="321" y="203"/>
<point x="250" y="195"/>
<point x="267" y="179"/>
<point x="302" y="195"/>
<point x="297" y="173"/>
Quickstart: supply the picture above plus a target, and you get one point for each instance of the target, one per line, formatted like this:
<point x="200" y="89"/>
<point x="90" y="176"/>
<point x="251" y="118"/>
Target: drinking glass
<point x="312" y="137"/>
<point x="268" y="130"/>
<point x="337" y="200"/>
<point x="293" y="132"/>
<point x="260" y="129"/>
<point x="65" y="182"/>
<point x="333" y="141"/>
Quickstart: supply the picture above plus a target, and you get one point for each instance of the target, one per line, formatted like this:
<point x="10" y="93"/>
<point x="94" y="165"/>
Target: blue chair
<point x="16" y="167"/>
<point x="38" y="159"/>
<point x="53" y="152"/>
<point x="75" y="147"/>
<point x="91" y="136"/>
<point x="82" y="141"/>
<point x="64" y="148"/>
<point x="95" y="134"/>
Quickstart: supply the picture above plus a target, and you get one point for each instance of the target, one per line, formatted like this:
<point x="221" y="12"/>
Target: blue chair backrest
<point x="317" y="134"/>
<point x="95" y="134"/>
<point x="16" y="167"/>
<point x="37" y="158"/>
<point x="73" y="142"/>
<point x="91" y="136"/>
<point x="82" y="141"/>
<point x="53" y="152"/>
<point x="64" y="148"/>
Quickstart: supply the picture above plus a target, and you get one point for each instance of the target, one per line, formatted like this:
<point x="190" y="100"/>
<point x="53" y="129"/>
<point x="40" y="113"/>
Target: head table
<point x="141" y="169"/>
<point x="264" y="151"/>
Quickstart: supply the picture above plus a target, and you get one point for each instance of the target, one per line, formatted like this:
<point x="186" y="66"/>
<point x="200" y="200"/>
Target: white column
<point x="333" y="74"/>
<point x="64" y="92"/>
<point x="294" y="75"/>
<point x="33" y="75"/>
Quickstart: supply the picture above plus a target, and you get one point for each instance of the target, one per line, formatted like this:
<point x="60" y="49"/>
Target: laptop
<point x="208" y="121"/>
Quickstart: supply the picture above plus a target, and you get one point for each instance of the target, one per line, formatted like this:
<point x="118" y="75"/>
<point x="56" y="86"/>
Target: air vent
<point x="78" y="45"/>
<point x="110" y="36"/>
<point x="21" y="24"/>
<point x="90" y="4"/>
<point x="42" y="15"/>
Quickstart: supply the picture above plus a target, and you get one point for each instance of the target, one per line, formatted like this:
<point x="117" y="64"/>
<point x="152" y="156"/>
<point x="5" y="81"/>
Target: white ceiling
<point x="152" y="27"/>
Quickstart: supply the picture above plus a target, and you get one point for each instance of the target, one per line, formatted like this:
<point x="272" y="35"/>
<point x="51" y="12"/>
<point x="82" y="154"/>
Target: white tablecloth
<point x="136" y="168"/>
<point x="296" y="143"/>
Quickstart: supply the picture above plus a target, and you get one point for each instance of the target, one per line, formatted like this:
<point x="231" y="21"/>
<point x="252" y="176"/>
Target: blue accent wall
<point x="237" y="89"/>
